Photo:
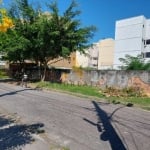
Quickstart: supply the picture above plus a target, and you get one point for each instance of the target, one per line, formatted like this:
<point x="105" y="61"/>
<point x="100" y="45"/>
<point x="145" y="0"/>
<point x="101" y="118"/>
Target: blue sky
<point x="102" y="13"/>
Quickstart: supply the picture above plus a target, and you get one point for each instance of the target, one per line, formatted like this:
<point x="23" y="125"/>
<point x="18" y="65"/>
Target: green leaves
<point x="134" y="63"/>
<point x="42" y="36"/>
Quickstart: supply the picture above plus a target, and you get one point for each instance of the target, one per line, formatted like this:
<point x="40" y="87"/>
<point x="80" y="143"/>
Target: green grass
<point x="3" y="74"/>
<point x="143" y="102"/>
<point x="57" y="147"/>
<point x="85" y="90"/>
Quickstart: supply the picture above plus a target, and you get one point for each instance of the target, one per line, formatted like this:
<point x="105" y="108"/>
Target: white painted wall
<point x="82" y="60"/>
<point x="129" y="38"/>
<point x="147" y="26"/>
<point x="93" y="52"/>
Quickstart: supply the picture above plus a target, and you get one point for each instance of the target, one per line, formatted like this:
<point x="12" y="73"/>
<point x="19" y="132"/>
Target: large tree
<point x="45" y="36"/>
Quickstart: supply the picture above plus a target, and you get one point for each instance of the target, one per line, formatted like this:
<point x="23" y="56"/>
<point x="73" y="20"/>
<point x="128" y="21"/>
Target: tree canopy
<point x="43" y="36"/>
<point x="5" y="21"/>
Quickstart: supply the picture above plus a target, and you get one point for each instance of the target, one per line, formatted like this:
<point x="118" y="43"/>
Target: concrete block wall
<point x="111" y="78"/>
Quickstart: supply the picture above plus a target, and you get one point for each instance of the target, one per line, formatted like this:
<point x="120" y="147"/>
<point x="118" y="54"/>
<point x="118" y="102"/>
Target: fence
<point x="111" y="78"/>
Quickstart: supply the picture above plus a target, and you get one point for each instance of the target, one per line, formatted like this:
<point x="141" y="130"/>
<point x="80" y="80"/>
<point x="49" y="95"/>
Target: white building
<point x="2" y="62"/>
<point x="132" y="37"/>
<point x="93" y="52"/>
<point x="101" y="54"/>
<point x="81" y="60"/>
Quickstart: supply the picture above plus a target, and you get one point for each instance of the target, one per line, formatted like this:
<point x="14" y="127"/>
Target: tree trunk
<point x="39" y="70"/>
<point x="44" y="72"/>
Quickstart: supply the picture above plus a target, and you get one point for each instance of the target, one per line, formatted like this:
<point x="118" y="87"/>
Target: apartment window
<point x="94" y="58"/>
<point x="148" y="42"/>
<point x="95" y="65"/>
<point x="147" y="55"/>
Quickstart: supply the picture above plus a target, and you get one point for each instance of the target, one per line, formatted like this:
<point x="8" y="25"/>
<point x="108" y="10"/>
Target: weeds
<point x="128" y="96"/>
<point x="125" y="92"/>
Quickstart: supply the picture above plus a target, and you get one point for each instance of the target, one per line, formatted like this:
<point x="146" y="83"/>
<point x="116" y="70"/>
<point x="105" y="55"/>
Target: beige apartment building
<point x="106" y="54"/>
<point x="99" y="56"/>
<point x="76" y="59"/>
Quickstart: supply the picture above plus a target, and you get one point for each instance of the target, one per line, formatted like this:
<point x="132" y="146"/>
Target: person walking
<point x="24" y="80"/>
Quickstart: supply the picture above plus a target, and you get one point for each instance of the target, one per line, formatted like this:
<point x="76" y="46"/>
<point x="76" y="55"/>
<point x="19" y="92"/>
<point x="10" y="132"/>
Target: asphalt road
<point x="70" y="121"/>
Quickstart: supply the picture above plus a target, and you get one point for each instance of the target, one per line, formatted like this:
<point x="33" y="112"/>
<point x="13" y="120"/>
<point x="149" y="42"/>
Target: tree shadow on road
<point x="104" y="126"/>
<point x="14" y="92"/>
<point x="13" y="136"/>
